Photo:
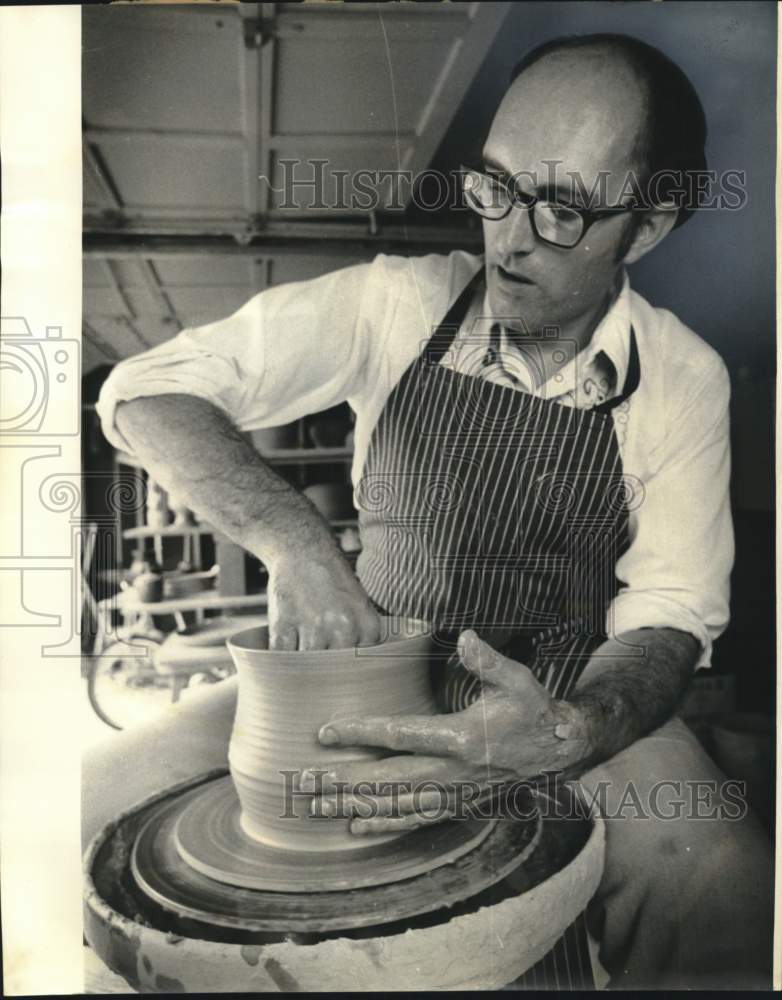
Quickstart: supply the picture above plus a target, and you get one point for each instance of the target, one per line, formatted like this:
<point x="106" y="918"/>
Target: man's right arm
<point x="180" y="409"/>
<point x="194" y="450"/>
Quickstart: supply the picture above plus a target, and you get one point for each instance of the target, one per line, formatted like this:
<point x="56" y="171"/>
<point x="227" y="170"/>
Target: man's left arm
<point x="620" y="698"/>
<point x="674" y="602"/>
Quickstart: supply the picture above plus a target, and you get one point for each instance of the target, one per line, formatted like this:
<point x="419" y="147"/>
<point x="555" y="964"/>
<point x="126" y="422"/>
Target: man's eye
<point x="562" y="213"/>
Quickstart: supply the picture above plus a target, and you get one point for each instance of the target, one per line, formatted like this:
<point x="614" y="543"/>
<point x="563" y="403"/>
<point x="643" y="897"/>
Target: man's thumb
<point x="486" y="663"/>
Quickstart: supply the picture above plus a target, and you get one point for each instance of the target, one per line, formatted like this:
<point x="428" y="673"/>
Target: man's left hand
<point x="514" y="731"/>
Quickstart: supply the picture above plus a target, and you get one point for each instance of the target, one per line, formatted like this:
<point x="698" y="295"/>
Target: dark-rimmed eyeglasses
<point x="493" y="196"/>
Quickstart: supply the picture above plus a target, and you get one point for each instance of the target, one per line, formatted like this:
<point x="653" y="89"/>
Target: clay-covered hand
<point x="515" y="730"/>
<point x="316" y="602"/>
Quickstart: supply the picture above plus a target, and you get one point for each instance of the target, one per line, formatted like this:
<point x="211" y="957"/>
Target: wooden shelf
<point x="208" y="600"/>
<point x="168" y="531"/>
<point x="308" y="456"/>
<point x="174" y="531"/>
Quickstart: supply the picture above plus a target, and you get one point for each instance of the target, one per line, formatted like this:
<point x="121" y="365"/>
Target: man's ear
<point x="655" y="226"/>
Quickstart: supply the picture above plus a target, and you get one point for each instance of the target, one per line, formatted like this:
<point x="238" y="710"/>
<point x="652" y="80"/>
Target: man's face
<point x="583" y="109"/>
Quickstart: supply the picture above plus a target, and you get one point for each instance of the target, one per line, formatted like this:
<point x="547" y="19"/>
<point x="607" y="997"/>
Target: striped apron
<point x="487" y="508"/>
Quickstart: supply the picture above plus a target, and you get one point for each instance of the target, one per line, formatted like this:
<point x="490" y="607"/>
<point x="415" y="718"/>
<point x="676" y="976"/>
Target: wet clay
<point x="286" y="697"/>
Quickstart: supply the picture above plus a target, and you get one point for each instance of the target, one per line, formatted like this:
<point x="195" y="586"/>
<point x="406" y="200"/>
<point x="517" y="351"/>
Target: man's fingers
<point x="428" y="798"/>
<point x="406" y="769"/>
<point x="414" y="733"/>
<point x="312" y="636"/>
<point x="402" y="824"/>
<point x="492" y="667"/>
<point x="283" y="636"/>
<point x="342" y="636"/>
<point x="370" y="629"/>
<point x="365" y="806"/>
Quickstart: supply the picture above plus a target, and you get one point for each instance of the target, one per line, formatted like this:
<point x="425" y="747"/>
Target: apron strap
<point x="632" y="379"/>
<point x="446" y="331"/>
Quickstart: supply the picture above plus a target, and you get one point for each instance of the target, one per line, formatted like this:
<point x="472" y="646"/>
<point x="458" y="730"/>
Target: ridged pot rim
<point x="244" y="642"/>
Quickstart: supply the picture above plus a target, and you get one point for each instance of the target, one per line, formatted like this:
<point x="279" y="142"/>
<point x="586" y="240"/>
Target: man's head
<point x="598" y="116"/>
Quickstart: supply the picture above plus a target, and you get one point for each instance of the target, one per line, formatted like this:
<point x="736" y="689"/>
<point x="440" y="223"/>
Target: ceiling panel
<point x="94" y="273"/>
<point x="188" y="108"/>
<point x="167" y="179"/>
<point x="351" y="180"/>
<point x="355" y="89"/>
<point x="122" y="335"/>
<point x="193" y="271"/>
<point x="161" y="69"/>
<point x="103" y="302"/>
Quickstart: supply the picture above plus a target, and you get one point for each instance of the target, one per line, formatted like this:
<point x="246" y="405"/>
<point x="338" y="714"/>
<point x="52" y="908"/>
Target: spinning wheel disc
<point x="209" y="838"/>
<point x="455" y="873"/>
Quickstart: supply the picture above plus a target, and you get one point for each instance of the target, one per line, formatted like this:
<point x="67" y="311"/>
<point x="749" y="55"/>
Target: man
<point x="489" y="464"/>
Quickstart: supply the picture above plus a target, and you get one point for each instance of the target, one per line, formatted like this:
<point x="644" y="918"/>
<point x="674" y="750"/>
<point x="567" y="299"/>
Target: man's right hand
<point x="316" y="602"/>
<point x="196" y="452"/>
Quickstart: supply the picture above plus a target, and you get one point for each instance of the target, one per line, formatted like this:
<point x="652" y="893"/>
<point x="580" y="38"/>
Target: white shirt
<point x="305" y="346"/>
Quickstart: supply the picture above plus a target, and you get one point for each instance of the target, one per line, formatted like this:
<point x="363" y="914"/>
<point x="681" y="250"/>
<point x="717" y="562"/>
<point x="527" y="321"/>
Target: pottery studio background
<point x="185" y="109"/>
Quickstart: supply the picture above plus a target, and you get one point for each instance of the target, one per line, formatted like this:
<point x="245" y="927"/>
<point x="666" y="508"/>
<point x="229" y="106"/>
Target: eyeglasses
<point x="493" y="197"/>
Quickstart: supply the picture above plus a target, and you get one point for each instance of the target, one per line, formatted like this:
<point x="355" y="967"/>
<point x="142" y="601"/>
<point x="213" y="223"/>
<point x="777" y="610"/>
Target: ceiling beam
<point x="116" y="246"/>
<point x="273" y="239"/>
<point x="325" y="230"/>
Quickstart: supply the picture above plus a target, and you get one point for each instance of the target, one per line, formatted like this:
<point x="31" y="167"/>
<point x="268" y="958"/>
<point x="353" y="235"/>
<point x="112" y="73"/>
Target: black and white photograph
<point x="410" y="440"/>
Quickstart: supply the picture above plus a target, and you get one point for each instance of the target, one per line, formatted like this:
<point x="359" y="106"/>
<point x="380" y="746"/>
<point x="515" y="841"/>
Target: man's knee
<point x="687" y="885"/>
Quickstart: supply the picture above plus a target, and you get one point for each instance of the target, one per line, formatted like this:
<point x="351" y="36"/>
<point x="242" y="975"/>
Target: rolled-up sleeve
<point x="676" y="572"/>
<point x="290" y="350"/>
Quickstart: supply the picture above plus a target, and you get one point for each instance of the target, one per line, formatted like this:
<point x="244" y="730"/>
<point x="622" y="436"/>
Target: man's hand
<point x="316" y="602"/>
<point x="516" y="730"/>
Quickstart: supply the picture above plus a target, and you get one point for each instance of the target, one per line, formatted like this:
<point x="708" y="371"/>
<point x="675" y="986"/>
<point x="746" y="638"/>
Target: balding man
<point x="541" y="466"/>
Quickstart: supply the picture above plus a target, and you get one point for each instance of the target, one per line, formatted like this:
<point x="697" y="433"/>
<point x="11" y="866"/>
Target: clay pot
<point x="149" y="587"/>
<point x="333" y="500"/>
<point x="285" y="698"/>
<point x="186" y="584"/>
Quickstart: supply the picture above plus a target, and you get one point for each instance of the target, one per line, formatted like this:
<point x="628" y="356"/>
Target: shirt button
<point x="622" y="418"/>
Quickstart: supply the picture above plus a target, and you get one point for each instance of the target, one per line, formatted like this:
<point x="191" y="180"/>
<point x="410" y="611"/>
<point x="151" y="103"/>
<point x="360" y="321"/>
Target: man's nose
<point x="516" y="233"/>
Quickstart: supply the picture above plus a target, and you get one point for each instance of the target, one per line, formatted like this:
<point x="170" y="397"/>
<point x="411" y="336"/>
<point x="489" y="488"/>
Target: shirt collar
<point x="612" y="336"/>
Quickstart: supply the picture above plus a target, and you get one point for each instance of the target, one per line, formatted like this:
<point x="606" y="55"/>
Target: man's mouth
<point x="512" y="276"/>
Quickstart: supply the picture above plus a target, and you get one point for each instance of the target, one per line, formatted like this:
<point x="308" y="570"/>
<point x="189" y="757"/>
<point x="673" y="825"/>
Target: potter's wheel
<point x="192" y="859"/>
<point x="208" y="836"/>
<point x="522" y="885"/>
